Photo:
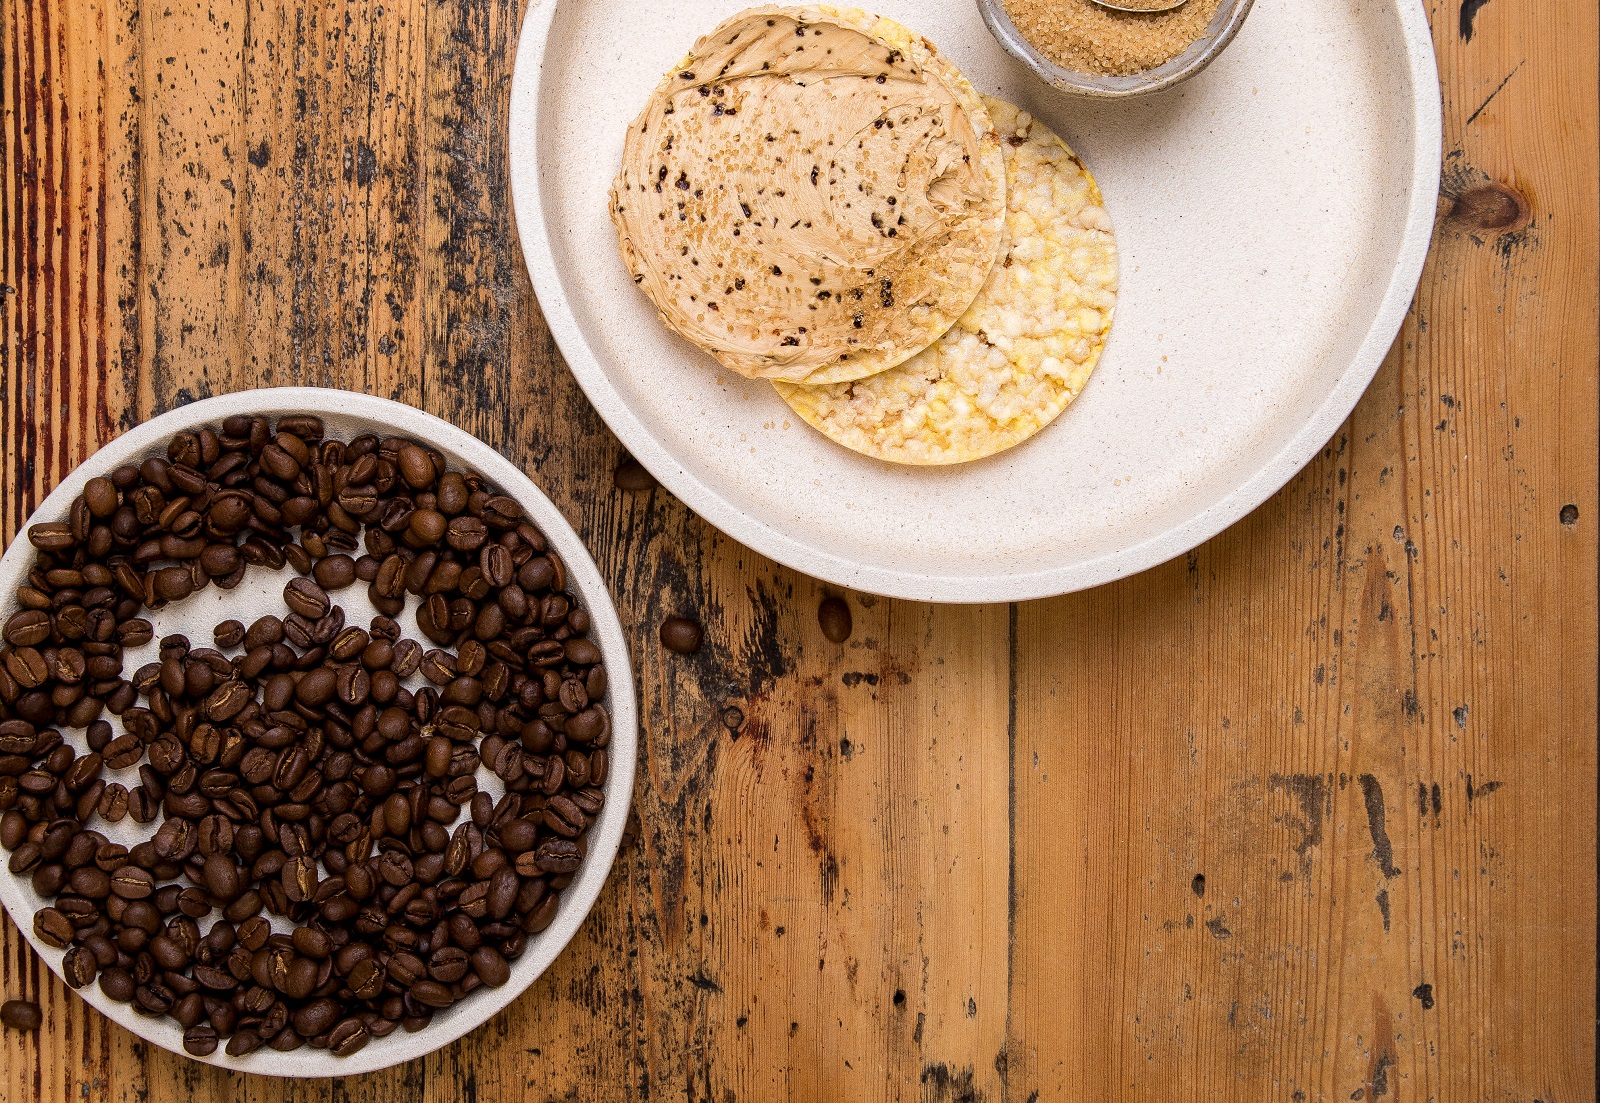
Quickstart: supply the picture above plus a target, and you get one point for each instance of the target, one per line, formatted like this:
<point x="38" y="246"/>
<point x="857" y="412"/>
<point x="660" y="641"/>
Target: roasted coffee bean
<point x="305" y="597"/>
<point x="229" y="634"/>
<point x="227" y="701"/>
<point x="347" y="1037"/>
<point x="407" y="658"/>
<point x="265" y="632"/>
<point x="431" y="993"/>
<point x="426" y="527"/>
<point x="242" y="1043"/>
<point x="563" y="817"/>
<point x="350" y="644"/>
<point x="117" y="983"/>
<point x="21" y="1015"/>
<point x="200" y="1039"/>
<point x="353" y="685"/>
<point x="52" y="926"/>
<point x="584" y="727"/>
<point x="90" y="882"/>
<point x="833" y="616"/>
<point x="335" y="572"/>
<point x="13" y="829"/>
<point x="100" y="494"/>
<point x="299" y="879"/>
<point x="312" y="943"/>
<point x="542" y="915"/>
<point x="51" y="537"/>
<point x="581" y="652"/>
<point x="558" y="856"/>
<point x="439" y="667"/>
<point x="490" y="966"/>
<point x="27" y="628"/>
<point x="572" y="696"/>
<point x="79" y="967"/>
<point x="26" y="666"/>
<point x="416" y="467"/>
<point x="132" y="882"/>
<point x="316" y="1017"/>
<point x="682" y="635"/>
<point x="308" y="427"/>
<point x="467" y="534"/>
<point x="142" y="805"/>
<point x="171" y="584"/>
<point x="317" y="687"/>
<point x="221" y="876"/>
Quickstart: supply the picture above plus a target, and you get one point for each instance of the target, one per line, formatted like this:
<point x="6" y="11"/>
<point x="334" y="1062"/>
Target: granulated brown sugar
<point x="1081" y="35"/>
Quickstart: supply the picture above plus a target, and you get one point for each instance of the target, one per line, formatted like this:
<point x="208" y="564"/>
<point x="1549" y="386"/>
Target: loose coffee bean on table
<point x="312" y="879"/>
<point x="681" y="634"/>
<point x="833" y="616"/>
<point x="21" y="1015"/>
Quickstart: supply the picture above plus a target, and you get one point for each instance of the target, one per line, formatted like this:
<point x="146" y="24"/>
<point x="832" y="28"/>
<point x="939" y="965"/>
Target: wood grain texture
<point x="1308" y="815"/>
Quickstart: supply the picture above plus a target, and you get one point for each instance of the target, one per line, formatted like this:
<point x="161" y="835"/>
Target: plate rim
<point x="524" y="125"/>
<point x="606" y="837"/>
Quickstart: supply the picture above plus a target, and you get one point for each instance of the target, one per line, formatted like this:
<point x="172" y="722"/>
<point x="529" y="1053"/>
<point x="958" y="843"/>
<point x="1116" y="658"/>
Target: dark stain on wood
<point x="1383" y="1056"/>
<point x="703" y="982"/>
<point x="1382" y="849"/>
<point x="941" y="1084"/>
<point x="1469" y="13"/>
<point x="763" y="653"/>
<point x="1312" y="794"/>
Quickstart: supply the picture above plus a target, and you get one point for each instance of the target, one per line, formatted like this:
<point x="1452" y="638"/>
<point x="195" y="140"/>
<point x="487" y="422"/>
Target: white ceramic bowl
<point x="1272" y="216"/>
<point x="346" y="415"/>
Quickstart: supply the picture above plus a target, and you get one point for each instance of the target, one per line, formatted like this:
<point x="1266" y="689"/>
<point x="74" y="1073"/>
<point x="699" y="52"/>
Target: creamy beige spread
<point x="813" y="195"/>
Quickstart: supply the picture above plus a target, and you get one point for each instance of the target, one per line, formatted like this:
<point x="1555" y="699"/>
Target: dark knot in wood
<point x="1491" y="206"/>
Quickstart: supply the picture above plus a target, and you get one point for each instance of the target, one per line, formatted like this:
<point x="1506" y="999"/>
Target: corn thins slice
<point x="1026" y="346"/>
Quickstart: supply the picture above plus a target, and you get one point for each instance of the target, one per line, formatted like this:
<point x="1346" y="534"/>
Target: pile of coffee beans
<point x="295" y="772"/>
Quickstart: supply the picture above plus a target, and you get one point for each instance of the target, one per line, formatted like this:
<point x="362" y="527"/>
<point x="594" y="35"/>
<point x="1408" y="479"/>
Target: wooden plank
<point x="1123" y="845"/>
<point x="66" y="163"/>
<point x="1368" y="709"/>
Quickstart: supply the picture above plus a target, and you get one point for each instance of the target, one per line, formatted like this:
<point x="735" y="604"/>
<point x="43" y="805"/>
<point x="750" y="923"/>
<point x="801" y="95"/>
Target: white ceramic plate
<point x="1272" y="215"/>
<point x="347" y="415"/>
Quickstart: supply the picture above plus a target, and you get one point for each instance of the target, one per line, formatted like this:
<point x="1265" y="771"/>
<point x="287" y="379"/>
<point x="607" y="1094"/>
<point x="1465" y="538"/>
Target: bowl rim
<point x="1194" y="58"/>
<point x="605" y="836"/>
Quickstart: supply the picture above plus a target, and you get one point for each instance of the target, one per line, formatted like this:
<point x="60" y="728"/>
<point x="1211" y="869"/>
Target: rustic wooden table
<point x="1308" y="814"/>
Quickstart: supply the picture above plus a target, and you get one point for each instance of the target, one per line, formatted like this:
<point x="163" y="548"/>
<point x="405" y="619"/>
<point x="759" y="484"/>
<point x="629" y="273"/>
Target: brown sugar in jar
<point x="1081" y="35"/>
